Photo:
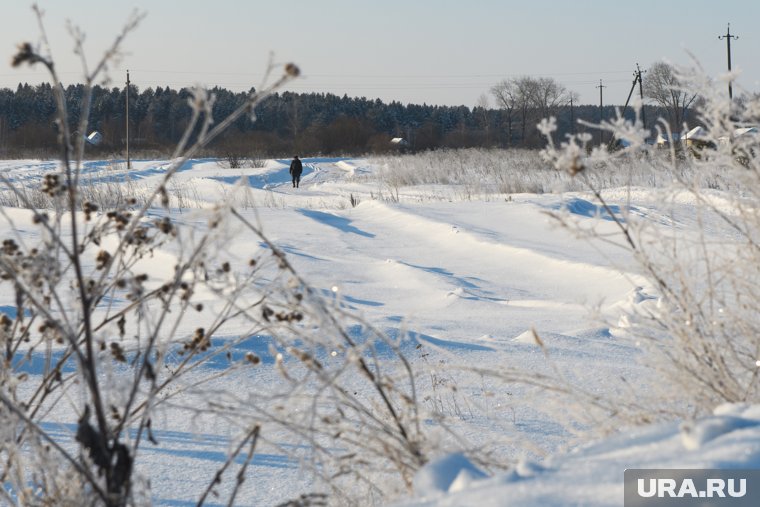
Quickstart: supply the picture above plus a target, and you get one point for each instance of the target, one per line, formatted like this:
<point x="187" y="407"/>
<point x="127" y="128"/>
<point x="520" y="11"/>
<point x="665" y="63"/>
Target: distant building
<point x="94" y="138"/>
<point x="697" y="136"/>
<point x="399" y="144"/>
<point x="664" y="140"/>
<point x="745" y="131"/>
<point x="742" y="132"/>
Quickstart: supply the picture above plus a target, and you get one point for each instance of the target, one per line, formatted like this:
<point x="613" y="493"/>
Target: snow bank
<point x="593" y="475"/>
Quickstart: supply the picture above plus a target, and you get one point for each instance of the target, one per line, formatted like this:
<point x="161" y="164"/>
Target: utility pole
<point x="641" y="94"/>
<point x="601" y="111"/>
<point x="636" y="79"/>
<point x="572" y="116"/>
<point x="129" y="165"/>
<point x="728" y="38"/>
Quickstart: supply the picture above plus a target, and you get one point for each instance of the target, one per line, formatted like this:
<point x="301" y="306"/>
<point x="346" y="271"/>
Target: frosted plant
<point x="104" y="345"/>
<point x="701" y="338"/>
<point x="493" y="173"/>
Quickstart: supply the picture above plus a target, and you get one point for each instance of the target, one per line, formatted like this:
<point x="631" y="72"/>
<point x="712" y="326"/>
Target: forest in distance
<point x="283" y="124"/>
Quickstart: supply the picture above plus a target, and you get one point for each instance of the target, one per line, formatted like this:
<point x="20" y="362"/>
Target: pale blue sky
<point x="434" y="51"/>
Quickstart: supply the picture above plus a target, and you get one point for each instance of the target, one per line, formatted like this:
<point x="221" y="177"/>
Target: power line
<point x="358" y="83"/>
<point x="344" y="76"/>
<point x="381" y="75"/>
<point x="306" y="85"/>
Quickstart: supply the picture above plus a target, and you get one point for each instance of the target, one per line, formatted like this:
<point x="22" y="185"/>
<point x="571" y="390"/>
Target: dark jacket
<point x="296" y="168"/>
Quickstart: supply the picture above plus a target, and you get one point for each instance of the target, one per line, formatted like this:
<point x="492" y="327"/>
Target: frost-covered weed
<point x="126" y="316"/>
<point x="481" y="172"/>
<point x="101" y="345"/>
<point x="701" y="336"/>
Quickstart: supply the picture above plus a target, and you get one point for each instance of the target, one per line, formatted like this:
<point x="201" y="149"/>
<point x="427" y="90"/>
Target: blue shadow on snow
<point x="217" y="358"/>
<point x="340" y="223"/>
<point x="586" y="208"/>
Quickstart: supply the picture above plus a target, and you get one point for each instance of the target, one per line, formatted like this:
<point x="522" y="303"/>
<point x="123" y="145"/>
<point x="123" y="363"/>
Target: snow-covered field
<point x="463" y="282"/>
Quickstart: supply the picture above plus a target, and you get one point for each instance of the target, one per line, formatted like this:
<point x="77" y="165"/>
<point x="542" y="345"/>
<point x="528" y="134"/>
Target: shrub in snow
<point x="100" y="339"/>
<point x="480" y="173"/>
<point x="702" y="337"/>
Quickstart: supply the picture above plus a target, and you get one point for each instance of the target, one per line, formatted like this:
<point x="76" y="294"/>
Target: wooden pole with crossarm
<point x="129" y="164"/>
<point x="601" y="112"/>
<point x="728" y="38"/>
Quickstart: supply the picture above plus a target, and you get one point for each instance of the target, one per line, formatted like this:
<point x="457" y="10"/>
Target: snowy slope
<point x="466" y="282"/>
<point x="593" y="474"/>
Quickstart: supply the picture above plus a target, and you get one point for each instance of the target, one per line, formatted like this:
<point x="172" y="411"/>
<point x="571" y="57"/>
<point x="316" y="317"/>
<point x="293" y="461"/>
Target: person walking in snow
<point x="296" y="168"/>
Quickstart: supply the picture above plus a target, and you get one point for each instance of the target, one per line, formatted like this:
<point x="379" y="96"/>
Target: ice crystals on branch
<point x="633" y="134"/>
<point x="570" y="157"/>
<point x="547" y="126"/>
<point x="201" y="100"/>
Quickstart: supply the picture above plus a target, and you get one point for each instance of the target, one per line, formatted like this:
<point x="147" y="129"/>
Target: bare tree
<point x="482" y="109"/>
<point x="525" y="90"/>
<point x="532" y="98"/>
<point x="547" y="95"/>
<point x="661" y="84"/>
<point x="506" y="95"/>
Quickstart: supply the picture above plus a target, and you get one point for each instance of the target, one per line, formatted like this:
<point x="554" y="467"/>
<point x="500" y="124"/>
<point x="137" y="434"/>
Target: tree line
<point x="288" y="123"/>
